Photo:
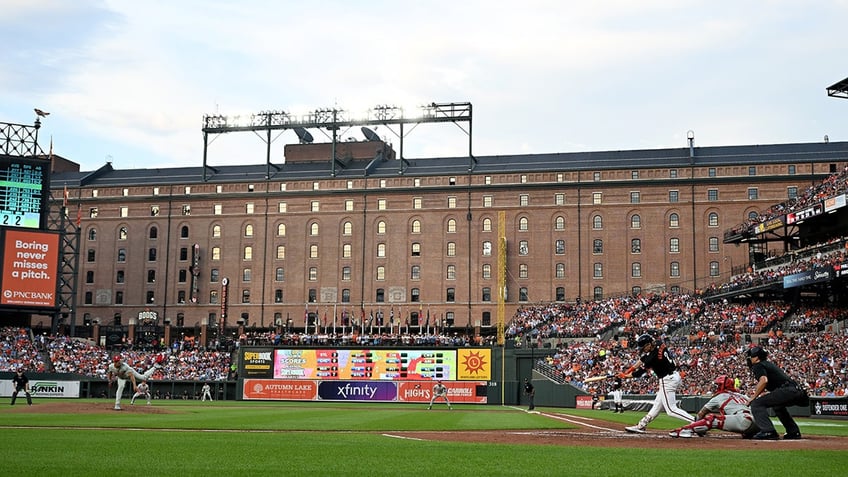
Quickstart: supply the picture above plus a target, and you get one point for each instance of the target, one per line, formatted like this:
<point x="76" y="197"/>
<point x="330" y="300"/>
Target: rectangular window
<point x="282" y="207"/>
<point x="753" y="193"/>
<point x="186" y="209"/>
<point x="559" y="199"/>
<point x="712" y="195"/>
<point x="711" y="172"/>
<point x="634" y="197"/>
<point x="597" y="198"/>
<point x="523" y="200"/>
<point x="416" y="203"/>
<point x="488" y="200"/>
<point x="451" y="202"/>
<point x="248" y="208"/>
<point x="348" y="205"/>
<point x="792" y="192"/>
<point x="315" y="206"/>
<point x="634" y="175"/>
<point x="752" y="170"/>
<point x="218" y="209"/>
<point x="125" y="211"/>
<point x="673" y="196"/>
<point x="381" y="204"/>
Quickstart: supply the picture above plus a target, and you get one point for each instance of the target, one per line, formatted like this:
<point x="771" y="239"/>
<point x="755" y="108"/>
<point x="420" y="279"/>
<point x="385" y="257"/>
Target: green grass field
<point x="262" y="438"/>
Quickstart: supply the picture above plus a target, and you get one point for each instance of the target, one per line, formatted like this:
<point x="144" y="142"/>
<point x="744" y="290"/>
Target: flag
<point x="79" y="214"/>
<point x="65" y="199"/>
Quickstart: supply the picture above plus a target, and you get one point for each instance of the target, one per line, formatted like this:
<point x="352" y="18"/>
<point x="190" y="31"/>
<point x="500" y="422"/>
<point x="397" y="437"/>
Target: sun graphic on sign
<point x="474" y="363"/>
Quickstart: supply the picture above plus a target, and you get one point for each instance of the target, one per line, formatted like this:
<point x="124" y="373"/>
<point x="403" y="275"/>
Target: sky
<point x="130" y="82"/>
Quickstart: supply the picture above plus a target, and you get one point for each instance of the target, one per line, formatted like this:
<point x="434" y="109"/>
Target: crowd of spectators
<point x="832" y="186"/>
<point x="819" y="360"/>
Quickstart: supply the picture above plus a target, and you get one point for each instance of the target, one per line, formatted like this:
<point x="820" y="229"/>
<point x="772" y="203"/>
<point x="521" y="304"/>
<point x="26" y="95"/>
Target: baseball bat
<point x="595" y="379"/>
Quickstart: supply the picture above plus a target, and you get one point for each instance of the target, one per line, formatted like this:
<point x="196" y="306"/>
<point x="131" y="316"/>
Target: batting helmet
<point x="644" y="340"/>
<point x="757" y="352"/>
<point x="116" y="359"/>
<point x="724" y="383"/>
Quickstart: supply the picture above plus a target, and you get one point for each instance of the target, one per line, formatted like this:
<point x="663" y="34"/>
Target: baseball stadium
<point x="289" y="315"/>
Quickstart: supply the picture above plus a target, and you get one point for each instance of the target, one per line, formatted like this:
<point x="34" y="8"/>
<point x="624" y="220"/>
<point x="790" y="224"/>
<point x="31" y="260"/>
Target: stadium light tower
<point x="838" y="89"/>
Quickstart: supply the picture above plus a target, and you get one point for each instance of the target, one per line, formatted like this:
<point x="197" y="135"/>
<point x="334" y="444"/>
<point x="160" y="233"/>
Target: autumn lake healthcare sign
<point x="30" y="268"/>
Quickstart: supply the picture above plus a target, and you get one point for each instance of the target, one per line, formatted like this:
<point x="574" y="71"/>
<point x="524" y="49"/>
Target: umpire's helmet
<point x="644" y="340"/>
<point x="757" y="352"/>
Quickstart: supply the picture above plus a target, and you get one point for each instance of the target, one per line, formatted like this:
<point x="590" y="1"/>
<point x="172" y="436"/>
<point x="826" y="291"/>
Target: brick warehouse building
<point x="408" y="239"/>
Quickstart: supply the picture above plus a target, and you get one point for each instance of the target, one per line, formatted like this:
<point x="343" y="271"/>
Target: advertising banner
<point x="829" y="407"/>
<point x="280" y="390"/>
<point x="43" y="388"/>
<point x="30" y="268"/>
<point x="369" y="364"/>
<point x="808" y="277"/>
<point x="473" y="392"/>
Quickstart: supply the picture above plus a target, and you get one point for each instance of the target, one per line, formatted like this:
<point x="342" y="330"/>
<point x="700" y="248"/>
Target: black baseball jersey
<point x="20" y="381"/>
<point x="776" y="376"/>
<point x="659" y="359"/>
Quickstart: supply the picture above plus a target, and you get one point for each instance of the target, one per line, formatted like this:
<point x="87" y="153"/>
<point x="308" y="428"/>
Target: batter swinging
<point x="657" y="357"/>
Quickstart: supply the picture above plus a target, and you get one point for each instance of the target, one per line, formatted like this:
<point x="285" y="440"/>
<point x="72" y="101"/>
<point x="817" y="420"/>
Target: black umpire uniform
<point x="530" y="391"/>
<point x="21" y="383"/>
<point x="782" y="392"/>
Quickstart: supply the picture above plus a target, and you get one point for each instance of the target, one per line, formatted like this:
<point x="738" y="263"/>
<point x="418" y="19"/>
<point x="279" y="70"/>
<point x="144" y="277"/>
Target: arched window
<point x="281" y="230"/>
<point x="92" y="234"/>
<point x="674" y="220"/>
<point x="712" y="219"/>
<point x="248" y="230"/>
<point x="597" y="222"/>
<point x="313" y="229"/>
<point x="559" y="223"/>
<point x="184" y="231"/>
<point x="122" y="233"/>
<point x="347" y="228"/>
<point x="523" y="224"/>
<point x="451" y="226"/>
<point x="635" y="221"/>
<point x="416" y="226"/>
<point x="154" y="232"/>
<point x="216" y="231"/>
<point x="487" y="225"/>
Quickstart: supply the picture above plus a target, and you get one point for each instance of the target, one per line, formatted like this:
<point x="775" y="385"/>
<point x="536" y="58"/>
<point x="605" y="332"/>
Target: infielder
<point x="727" y="410"/>
<point x="439" y="391"/>
<point x="120" y="371"/>
<point x="143" y="390"/>
<point x="616" y="396"/>
<point x="206" y="392"/>
<point x="657" y="357"/>
<point x="21" y="383"/>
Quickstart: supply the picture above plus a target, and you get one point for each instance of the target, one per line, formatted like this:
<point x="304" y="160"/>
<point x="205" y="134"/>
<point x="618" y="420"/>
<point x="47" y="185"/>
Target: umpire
<point x="21" y="383"/>
<point x="782" y="392"/>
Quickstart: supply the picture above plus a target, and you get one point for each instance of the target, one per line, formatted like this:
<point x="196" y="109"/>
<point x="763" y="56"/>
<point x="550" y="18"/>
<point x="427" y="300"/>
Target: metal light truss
<point x="69" y="258"/>
<point x="20" y="139"/>
<point x="333" y="119"/>
<point x="839" y="89"/>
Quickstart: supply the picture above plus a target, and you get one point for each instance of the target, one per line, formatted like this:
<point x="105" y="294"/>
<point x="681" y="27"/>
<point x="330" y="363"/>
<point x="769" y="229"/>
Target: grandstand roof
<point x="569" y="161"/>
